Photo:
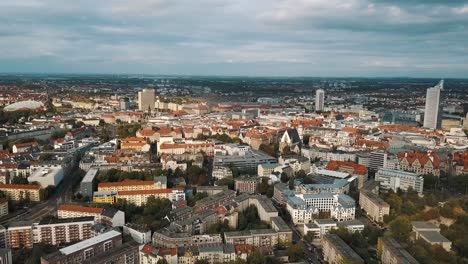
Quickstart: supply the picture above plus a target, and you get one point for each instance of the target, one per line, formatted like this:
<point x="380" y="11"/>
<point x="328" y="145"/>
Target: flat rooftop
<point x="89" y="242"/>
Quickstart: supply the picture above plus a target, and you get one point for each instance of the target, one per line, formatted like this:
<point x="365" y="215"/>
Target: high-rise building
<point x="319" y="100"/>
<point x="146" y="99"/>
<point x="433" y="110"/>
<point x="124" y="103"/>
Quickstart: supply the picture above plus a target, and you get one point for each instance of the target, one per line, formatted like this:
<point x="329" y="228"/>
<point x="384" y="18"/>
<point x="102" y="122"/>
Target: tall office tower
<point x="319" y="100"/>
<point x="433" y="110"/>
<point x="146" y="99"/>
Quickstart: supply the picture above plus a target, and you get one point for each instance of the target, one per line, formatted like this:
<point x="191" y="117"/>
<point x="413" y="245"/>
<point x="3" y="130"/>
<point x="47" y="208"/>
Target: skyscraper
<point x="319" y="100"/>
<point x="146" y="99"/>
<point x="433" y="110"/>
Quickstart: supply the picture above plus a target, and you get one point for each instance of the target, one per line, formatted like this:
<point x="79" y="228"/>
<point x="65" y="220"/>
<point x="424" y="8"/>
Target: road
<point x="310" y="252"/>
<point x="61" y="195"/>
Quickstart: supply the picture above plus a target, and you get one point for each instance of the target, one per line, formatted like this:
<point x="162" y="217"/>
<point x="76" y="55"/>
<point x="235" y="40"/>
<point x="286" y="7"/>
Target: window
<point x="107" y="246"/>
<point x="88" y="253"/>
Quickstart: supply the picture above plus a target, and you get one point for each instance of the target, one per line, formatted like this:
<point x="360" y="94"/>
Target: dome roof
<point x="24" y="105"/>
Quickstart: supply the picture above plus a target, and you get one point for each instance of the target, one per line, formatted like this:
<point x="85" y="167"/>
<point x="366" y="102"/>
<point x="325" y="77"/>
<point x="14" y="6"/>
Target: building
<point x="336" y="251"/>
<point x="132" y="185"/>
<point x="124" y="104"/>
<point x="430" y="233"/>
<point x="104" y="248"/>
<point x="46" y="175"/>
<point x="352" y="225"/>
<point x="146" y="100"/>
<point x="17" y="192"/>
<point x="319" y="100"/>
<point x="139" y="197"/>
<point x="212" y="190"/>
<point x="303" y="208"/>
<point x="108" y="215"/>
<point x="264" y="170"/>
<point x="3" y="207"/>
<point x="374" y="206"/>
<point x="5" y="256"/>
<point x="378" y="160"/>
<point x="420" y="162"/>
<point x="241" y="157"/>
<point x="151" y="255"/>
<point x="395" y="179"/>
<point x="433" y="109"/>
<point x="355" y="169"/>
<point x="247" y="184"/>
<point x="220" y="172"/>
<point x="168" y="238"/>
<point x="391" y="252"/>
<point x="59" y="231"/>
<point x="88" y="183"/>
<point x="140" y="234"/>
<point x="20" y="235"/>
<point x="260" y="238"/>
<point x="134" y="144"/>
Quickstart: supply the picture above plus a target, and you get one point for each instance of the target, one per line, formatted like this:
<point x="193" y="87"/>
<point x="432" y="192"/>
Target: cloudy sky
<point x="420" y="38"/>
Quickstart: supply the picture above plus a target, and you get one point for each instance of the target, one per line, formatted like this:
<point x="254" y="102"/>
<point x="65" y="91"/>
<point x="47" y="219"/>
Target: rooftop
<point x="89" y="242"/>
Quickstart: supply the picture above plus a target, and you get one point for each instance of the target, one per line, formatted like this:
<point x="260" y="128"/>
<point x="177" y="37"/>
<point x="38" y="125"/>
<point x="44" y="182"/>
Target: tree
<point x="400" y="228"/>
<point x="291" y="183"/>
<point x="295" y="253"/>
<point x="284" y="177"/>
<point x="162" y="261"/>
<point x="202" y="261"/>
<point x="256" y="258"/>
<point x="46" y="156"/>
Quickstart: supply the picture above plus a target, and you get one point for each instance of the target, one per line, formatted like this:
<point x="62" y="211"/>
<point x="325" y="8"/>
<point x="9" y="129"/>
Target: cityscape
<point x="233" y="132"/>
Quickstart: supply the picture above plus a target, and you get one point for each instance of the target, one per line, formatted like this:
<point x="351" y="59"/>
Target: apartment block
<point x="108" y="215"/>
<point x="375" y="207"/>
<point x="20" y="235"/>
<point x="391" y="252"/>
<point x="85" y="250"/>
<point x="336" y="251"/>
<point x="55" y="231"/>
<point x="17" y="192"/>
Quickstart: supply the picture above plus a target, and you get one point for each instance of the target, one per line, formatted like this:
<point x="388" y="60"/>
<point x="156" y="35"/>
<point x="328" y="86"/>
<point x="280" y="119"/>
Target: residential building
<point x="220" y="172"/>
<point x="336" y="251"/>
<point x="17" y="192"/>
<point x="212" y="190"/>
<point x="247" y="184"/>
<point x="20" y="235"/>
<point x="139" y="197"/>
<point x="374" y="206"/>
<point x="391" y="252"/>
<point x="259" y="237"/>
<point x="132" y="185"/>
<point x="140" y="234"/>
<point x="146" y="100"/>
<point x="433" y="110"/>
<point x="355" y="169"/>
<point x="5" y="256"/>
<point x="265" y="169"/>
<point x="352" y="225"/>
<point x="88" y="183"/>
<point x="173" y="238"/>
<point x="395" y="179"/>
<point x="3" y="207"/>
<point x="59" y="231"/>
<point x="151" y="255"/>
<point x="105" y="247"/>
<point x="108" y="215"/>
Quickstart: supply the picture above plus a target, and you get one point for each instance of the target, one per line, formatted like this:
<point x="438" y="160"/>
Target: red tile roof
<point x="336" y="165"/>
<point x="79" y="208"/>
<point x="125" y="183"/>
<point x="20" y="186"/>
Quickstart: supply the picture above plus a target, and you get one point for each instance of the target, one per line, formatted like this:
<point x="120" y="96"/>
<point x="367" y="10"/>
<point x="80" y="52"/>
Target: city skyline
<point x="237" y="38"/>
